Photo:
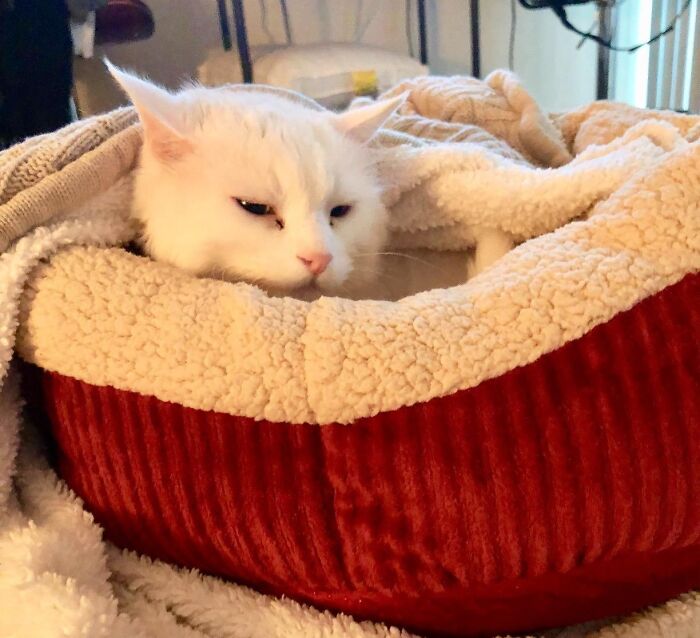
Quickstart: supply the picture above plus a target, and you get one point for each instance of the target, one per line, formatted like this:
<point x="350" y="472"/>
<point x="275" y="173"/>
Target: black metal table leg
<point x="242" y="40"/>
<point x="223" y="24"/>
<point x="476" y="48"/>
<point x="422" y="36"/>
<point x="605" y="26"/>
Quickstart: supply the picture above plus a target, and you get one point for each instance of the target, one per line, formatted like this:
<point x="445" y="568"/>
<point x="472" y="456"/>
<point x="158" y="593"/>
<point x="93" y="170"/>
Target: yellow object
<point x="364" y="82"/>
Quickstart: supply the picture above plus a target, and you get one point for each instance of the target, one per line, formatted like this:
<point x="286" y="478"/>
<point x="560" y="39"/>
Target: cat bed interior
<point x="498" y="456"/>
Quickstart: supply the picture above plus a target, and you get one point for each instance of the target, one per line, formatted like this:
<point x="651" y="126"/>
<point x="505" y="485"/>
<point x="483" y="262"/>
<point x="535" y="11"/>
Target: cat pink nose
<point x="315" y="262"/>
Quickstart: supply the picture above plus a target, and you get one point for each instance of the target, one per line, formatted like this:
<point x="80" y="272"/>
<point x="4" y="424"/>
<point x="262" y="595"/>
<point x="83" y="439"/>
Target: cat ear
<point x="363" y="122"/>
<point x="153" y="105"/>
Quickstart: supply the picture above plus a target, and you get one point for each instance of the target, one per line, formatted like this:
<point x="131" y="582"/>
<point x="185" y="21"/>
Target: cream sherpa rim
<point x="336" y="360"/>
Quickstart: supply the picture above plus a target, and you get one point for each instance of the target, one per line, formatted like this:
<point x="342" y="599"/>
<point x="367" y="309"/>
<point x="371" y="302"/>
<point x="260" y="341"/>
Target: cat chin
<point x="306" y="292"/>
<point x="309" y="292"/>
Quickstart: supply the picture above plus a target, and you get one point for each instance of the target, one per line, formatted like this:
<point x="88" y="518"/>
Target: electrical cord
<point x="265" y="25"/>
<point x="409" y="28"/>
<point x="360" y="28"/>
<point x="511" y="40"/>
<point x="285" y="19"/>
<point x="558" y="7"/>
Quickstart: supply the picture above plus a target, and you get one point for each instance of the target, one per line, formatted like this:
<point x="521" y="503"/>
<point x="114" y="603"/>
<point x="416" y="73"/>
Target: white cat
<point x="254" y="187"/>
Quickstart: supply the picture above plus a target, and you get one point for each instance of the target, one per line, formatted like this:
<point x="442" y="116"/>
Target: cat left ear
<point x="363" y="122"/>
<point x="154" y="106"/>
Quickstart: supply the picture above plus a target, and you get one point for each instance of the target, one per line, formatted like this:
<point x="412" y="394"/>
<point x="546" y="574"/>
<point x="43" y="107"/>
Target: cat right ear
<point x="153" y="105"/>
<point x="363" y="122"/>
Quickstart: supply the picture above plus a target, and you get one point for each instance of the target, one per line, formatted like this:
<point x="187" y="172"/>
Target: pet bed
<point x="506" y="455"/>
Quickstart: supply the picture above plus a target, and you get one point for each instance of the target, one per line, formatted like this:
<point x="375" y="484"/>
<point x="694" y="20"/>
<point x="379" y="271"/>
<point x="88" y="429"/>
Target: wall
<point x="558" y="75"/>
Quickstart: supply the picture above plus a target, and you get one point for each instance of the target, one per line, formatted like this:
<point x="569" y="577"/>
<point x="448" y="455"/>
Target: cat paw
<point x="490" y="246"/>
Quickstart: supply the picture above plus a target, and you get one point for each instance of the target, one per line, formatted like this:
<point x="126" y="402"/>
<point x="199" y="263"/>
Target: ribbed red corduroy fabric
<point x="560" y="492"/>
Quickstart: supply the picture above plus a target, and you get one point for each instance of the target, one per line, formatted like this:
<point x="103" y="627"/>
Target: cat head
<point x="256" y="187"/>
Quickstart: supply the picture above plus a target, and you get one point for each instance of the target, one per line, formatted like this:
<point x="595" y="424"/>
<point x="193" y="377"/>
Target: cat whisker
<point x="216" y="273"/>
<point x="405" y="256"/>
<point x="378" y="274"/>
<point x="395" y="254"/>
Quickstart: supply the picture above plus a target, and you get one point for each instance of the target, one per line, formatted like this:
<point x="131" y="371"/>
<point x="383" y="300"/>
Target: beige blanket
<point x="463" y="154"/>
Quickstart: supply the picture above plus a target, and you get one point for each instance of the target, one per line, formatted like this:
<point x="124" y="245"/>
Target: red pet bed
<point x="561" y="491"/>
<point x="502" y="456"/>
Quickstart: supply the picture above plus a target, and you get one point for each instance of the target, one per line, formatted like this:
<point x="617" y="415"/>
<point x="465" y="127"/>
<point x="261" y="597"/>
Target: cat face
<point x="254" y="187"/>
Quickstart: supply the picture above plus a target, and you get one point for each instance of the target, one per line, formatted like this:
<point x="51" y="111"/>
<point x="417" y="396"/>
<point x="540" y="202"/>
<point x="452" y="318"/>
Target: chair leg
<point x="242" y="40"/>
<point x="223" y="24"/>
<point x="475" y="31"/>
<point x="422" y="35"/>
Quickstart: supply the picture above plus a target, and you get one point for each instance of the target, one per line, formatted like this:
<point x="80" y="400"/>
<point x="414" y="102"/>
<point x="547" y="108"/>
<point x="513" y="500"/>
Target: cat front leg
<point x="490" y="246"/>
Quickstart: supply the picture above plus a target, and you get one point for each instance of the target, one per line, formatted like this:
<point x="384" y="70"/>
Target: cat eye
<point x="340" y="211"/>
<point x="254" y="208"/>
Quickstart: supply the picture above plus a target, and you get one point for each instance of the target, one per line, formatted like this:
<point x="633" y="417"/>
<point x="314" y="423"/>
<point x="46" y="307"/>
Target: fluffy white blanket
<point x="57" y="576"/>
